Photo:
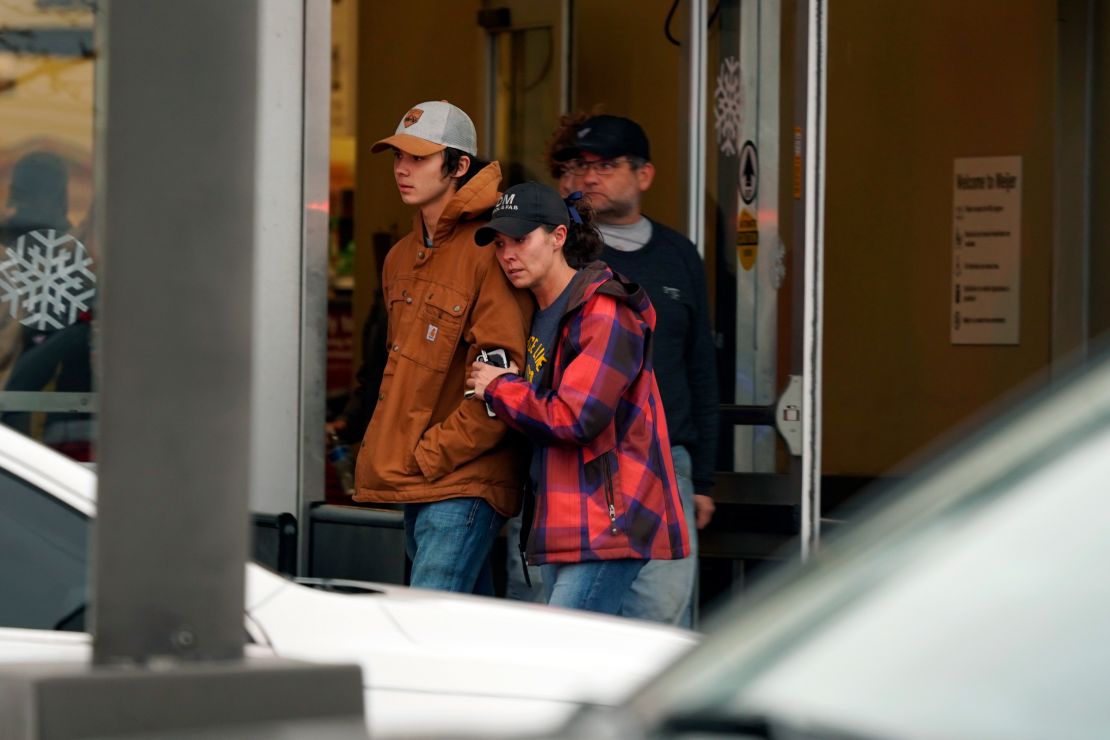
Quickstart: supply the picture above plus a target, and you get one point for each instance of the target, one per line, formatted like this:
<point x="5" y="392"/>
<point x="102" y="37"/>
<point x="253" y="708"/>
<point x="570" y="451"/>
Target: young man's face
<point x="615" y="195"/>
<point x="527" y="261"/>
<point x="420" y="180"/>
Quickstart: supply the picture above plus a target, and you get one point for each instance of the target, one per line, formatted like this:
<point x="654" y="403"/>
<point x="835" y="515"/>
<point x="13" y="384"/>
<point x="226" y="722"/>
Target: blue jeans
<point x="664" y="590"/>
<point x="449" y="544"/>
<point x="595" y="585"/>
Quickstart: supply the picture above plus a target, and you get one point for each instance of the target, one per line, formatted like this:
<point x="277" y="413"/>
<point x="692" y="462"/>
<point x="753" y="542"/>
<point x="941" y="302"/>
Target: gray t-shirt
<point x="626" y="237"/>
<point x="544" y="335"/>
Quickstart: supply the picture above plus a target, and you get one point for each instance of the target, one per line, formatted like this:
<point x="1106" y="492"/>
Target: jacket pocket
<point x="400" y="299"/>
<point x="438" y="324"/>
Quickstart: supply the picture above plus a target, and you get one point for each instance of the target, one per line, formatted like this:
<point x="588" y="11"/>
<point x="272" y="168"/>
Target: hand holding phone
<point x="496" y="357"/>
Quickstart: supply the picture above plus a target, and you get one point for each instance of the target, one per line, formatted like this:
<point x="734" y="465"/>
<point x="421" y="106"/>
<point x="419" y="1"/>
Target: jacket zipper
<point x="609" y="496"/>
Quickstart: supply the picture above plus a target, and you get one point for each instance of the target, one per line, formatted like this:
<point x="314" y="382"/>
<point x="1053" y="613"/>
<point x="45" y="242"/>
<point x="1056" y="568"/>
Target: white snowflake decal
<point x="45" y="279"/>
<point x="729" y="101"/>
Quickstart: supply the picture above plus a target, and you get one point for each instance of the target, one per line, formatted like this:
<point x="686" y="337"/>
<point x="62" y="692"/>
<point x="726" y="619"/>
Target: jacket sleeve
<point x="501" y="318"/>
<point x="606" y="345"/>
<point x="702" y="377"/>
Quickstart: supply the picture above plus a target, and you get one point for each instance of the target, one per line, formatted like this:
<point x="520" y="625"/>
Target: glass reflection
<point x="48" y="263"/>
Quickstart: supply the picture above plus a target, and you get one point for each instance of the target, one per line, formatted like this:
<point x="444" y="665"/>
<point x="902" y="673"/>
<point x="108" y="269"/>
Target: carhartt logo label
<point x="432" y="333"/>
<point x="412" y="117"/>
<point x="505" y="202"/>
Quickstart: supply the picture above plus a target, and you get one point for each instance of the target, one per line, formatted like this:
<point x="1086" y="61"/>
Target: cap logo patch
<point x="412" y="117"/>
<point x="505" y="202"/>
<point x="583" y="132"/>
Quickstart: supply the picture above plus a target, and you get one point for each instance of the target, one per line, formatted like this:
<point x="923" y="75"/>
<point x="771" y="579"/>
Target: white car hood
<point x="433" y="641"/>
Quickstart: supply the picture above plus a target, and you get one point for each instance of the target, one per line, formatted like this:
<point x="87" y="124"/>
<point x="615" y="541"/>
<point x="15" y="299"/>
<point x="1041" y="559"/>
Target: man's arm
<point x="610" y="354"/>
<point x="702" y="374"/>
<point x="500" y="318"/>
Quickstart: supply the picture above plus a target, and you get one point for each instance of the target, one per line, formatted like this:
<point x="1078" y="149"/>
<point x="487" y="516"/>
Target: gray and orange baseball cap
<point x="431" y="127"/>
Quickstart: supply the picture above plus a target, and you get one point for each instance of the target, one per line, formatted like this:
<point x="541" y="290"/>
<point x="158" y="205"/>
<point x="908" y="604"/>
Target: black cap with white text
<point x="521" y="209"/>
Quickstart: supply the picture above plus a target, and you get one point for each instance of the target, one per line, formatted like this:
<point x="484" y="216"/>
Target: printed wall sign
<point x="986" y="251"/>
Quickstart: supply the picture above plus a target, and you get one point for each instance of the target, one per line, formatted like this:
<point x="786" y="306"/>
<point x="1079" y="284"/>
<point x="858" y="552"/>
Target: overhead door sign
<point x="986" y="251"/>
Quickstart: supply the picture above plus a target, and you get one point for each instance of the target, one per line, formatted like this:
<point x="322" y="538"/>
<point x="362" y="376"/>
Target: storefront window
<point x="48" y="255"/>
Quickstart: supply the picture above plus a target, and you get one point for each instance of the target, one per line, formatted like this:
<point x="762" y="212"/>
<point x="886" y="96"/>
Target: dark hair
<point x="39" y="188"/>
<point x="584" y="241"/>
<point x="564" y="135"/>
<point x="451" y="159"/>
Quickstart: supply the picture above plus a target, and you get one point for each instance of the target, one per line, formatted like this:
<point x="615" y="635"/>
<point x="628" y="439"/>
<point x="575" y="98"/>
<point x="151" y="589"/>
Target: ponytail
<point x="584" y="241"/>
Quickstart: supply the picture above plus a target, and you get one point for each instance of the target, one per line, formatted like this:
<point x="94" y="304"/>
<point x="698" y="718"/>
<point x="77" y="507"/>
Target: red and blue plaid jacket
<point x="607" y="487"/>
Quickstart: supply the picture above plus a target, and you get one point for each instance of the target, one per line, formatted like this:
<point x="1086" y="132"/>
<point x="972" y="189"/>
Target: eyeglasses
<point x="603" y="167"/>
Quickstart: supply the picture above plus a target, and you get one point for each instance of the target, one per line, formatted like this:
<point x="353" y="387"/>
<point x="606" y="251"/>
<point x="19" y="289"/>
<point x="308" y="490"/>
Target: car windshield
<point x="974" y="605"/>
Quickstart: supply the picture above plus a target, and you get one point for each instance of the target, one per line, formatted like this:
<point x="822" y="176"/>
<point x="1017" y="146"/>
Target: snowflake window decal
<point x="728" y="103"/>
<point x="45" y="280"/>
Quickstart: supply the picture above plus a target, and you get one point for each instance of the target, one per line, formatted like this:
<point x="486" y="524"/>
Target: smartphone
<point x="496" y="357"/>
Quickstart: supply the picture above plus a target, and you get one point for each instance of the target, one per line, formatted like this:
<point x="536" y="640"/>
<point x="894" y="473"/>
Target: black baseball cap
<point x="521" y="209"/>
<point x="607" y="136"/>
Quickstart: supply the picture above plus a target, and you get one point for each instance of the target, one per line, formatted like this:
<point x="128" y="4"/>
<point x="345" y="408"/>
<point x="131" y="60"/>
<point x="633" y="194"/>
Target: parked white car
<point x="432" y="662"/>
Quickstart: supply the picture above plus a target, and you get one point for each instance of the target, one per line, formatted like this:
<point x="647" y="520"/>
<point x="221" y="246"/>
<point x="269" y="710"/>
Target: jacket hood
<point x="472" y="201"/>
<point x="598" y="277"/>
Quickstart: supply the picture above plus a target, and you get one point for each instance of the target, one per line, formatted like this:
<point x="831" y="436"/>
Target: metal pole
<point x="177" y="220"/>
<point x="1071" y="273"/>
<point x="696" y="60"/>
<point x="311" y="386"/>
<point x="815" y="276"/>
<point x="810" y="56"/>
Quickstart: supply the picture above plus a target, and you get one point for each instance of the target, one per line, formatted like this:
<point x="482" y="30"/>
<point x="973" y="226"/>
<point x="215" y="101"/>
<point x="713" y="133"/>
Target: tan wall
<point x="911" y="86"/>
<point x="627" y="66"/>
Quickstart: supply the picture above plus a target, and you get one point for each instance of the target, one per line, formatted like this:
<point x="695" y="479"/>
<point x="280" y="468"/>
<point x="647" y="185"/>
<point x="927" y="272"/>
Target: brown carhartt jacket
<point x="445" y="303"/>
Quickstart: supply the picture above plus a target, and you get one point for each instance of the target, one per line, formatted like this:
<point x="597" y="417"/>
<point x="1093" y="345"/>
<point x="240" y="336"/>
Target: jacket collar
<point x="598" y="277"/>
<point x="472" y="201"/>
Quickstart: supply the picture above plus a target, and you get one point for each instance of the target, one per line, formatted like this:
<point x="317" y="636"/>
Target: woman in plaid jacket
<point x="606" y="496"/>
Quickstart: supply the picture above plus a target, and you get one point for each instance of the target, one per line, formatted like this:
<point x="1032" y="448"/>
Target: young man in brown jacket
<point x="442" y="455"/>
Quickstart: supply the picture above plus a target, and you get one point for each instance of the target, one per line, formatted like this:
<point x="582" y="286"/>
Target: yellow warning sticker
<point x="747" y="239"/>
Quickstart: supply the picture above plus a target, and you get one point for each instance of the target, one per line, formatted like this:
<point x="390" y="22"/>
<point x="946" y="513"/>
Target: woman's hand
<point x="481" y="373"/>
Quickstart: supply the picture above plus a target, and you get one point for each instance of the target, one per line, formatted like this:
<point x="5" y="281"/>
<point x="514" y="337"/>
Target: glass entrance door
<point x="763" y="263"/>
